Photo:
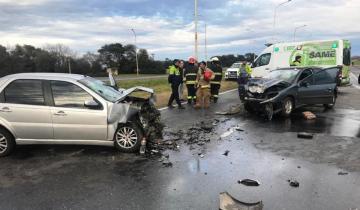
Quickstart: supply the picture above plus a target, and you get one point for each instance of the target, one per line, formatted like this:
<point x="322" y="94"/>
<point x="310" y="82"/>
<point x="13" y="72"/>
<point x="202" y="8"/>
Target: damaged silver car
<point x="49" y="108"/>
<point x="284" y="90"/>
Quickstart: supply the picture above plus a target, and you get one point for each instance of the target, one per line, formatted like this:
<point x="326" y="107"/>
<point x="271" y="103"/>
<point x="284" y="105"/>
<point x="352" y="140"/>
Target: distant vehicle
<point x="326" y="53"/>
<point x="283" y="90"/>
<point x="49" y="108"/>
<point x="232" y="72"/>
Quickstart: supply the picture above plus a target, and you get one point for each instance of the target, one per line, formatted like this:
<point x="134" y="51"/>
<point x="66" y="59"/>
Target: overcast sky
<point x="166" y="28"/>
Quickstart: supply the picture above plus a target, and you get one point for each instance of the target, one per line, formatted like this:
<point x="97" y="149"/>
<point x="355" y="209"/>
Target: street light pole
<point x="275" y="11"/>
<point x="297" y="29"/>
<point x="136" y="56"/>
<point x="206" y="56"/>
<point x="196" y="28"/>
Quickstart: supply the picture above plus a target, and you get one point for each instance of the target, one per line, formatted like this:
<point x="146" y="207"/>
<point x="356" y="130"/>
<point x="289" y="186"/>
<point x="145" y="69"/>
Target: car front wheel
<point x="7" y="143"/>
<point x="269" y="111"/>
<point x="128" y="137"/>
<point x="287" y="107"/>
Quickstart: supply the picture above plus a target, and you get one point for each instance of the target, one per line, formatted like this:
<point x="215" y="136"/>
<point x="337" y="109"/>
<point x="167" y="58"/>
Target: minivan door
<point x="23" y="106"/>
<point x="72" y="119"/>
<point x="261" y="66"/>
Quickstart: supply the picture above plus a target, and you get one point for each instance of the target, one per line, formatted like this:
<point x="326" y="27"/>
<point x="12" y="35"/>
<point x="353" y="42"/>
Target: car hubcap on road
<point x="288" y="107"/>
<point x="126" y="137"/>
<point x="3" y="144"/>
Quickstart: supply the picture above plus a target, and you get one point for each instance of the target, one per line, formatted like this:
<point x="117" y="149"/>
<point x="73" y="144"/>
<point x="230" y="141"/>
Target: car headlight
<point x="257" y="89"/>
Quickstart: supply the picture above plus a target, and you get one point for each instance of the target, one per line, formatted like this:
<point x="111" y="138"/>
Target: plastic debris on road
<point x="249" y="182"/>
<point x="309" y="115"/>
<point x="305" y="135"/>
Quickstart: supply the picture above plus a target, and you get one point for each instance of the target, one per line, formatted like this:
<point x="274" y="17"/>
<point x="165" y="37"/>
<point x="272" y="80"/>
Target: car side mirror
<point x="92" y="104"/>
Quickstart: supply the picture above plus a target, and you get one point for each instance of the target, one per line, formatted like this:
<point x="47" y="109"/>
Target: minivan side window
<point x="69" y="95"/>
<point x="347" y="56"/>
<point x="29" y="92"/>
<point x="263" y="60"/>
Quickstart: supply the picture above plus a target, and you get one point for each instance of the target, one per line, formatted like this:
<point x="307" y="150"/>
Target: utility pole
<point x="206" y="56"/>
<point x="136" y="56"/>
<point x="274" y="23"/>
<point x="196" y="29"/>
<point x="297" y="29"/>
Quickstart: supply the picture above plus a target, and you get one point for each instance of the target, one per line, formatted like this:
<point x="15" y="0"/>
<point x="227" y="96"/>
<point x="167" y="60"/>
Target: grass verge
<point x="163" y="90"/>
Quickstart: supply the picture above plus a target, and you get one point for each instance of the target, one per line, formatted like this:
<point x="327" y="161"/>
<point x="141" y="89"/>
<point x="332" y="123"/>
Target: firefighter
<point x="181" y="86"/>
<point x="203" y="78"/>
<point x="243" y="77"/>
<point x="175" y="79"/>
<point x="190" y="79"/>
<point x="216" y="82"/>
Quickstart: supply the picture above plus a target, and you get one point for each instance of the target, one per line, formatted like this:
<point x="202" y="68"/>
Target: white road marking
<point x="222" y="93"/>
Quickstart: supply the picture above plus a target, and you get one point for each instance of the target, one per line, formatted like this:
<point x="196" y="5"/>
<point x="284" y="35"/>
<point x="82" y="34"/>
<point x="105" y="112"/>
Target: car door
<point x="306" y="88"/>
<point x="72" y="120"/>
<point x="326" y="85"/>
<point x="23" y="106"/>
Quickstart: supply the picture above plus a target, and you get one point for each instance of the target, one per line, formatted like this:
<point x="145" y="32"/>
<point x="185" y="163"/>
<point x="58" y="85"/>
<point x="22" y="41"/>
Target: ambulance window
<point x="347" y="56"/>
<point x="263" y="60"/>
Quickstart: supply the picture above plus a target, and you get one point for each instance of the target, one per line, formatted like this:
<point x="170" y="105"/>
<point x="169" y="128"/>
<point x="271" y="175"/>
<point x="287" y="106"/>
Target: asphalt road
<point x="84" y="177"/>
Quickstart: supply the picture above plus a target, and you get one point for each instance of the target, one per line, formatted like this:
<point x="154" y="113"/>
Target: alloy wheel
<point x="3" y="144"/>
<point x="126" y="137"/>
<point x="288" y="107"/>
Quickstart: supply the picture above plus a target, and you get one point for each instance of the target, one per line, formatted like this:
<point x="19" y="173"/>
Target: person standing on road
<point x="181" y="86"/>
<point x="190" y="79"/>
<point x="175" y="79"/>
<point x="243" y="77"/>
<point x="203" y="78"/>
<point x="216" y="82"/>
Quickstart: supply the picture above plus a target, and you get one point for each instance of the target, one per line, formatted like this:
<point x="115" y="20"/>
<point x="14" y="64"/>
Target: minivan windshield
<point x="105" y="91"/>
<point x="287" y="75"/>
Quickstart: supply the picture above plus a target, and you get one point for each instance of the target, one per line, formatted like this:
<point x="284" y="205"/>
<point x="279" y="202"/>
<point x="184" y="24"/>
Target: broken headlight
<point x="257" y="89"/>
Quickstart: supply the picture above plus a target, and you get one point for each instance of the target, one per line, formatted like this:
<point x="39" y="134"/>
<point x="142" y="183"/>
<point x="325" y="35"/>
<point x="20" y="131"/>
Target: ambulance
<point x="323" y="53"/>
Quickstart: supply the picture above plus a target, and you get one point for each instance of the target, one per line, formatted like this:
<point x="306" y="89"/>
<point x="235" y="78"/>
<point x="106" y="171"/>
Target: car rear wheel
<point x="7" y="143"/>
<point x="332" y="104"/>
<point x="287" y="107"/>
<point x="269" y="111"/>
<point x="128" y="137"/>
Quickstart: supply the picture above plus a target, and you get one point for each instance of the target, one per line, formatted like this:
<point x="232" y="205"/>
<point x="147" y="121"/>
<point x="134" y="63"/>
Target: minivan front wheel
<point x="7" y="143"/>
<point x="332" y="104"/>
<point x="128" y="137"/>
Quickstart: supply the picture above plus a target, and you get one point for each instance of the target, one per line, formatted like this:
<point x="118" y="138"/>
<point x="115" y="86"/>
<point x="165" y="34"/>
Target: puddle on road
<point x="337" y="122"/>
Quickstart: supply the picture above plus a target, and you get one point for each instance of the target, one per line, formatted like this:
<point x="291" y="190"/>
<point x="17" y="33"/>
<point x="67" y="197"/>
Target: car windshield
<point x="236" y="65"/>
<point x="288" y="75"/>
<point x="105" y="91"/>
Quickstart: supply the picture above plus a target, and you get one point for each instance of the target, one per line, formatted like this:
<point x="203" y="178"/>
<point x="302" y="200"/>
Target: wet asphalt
<point x="90" y="177"/>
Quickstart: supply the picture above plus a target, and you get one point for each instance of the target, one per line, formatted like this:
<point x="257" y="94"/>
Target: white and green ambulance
<point x="324" y="53"/>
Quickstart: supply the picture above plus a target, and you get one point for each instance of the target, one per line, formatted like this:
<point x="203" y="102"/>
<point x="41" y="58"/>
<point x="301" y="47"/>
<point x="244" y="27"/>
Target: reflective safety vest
<point x="218" y="74"/>
<point x="190" y="74"/>
<point x="174" y="75"/>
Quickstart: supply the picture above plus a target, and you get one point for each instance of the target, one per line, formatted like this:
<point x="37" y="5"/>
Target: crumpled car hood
<point x="265" y="82"/>
<point x="129" y="91"/>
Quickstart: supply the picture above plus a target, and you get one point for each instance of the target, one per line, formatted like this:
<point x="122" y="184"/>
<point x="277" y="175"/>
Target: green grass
<point x="162" y="88"/>
<point x="356" y="62"/>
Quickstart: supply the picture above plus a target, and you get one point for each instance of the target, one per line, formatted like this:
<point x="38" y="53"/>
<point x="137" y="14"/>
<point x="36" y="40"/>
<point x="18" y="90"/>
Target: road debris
<point x="341" y="173"/>
<point x="305" y="135"/>
<point x="227" y="202"/>
<point x="293" y="183"/>
<point x="249" y="182"/>
<point x="226" y="153"/>
<point x="309" y="115"/>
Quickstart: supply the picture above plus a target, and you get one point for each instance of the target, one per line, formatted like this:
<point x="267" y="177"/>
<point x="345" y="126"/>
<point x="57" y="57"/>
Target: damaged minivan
<point x="49" y="108"/>
<point x="284" y="90"/>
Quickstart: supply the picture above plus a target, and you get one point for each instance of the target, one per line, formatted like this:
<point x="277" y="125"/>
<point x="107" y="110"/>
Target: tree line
<point x="61" y="59"/>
